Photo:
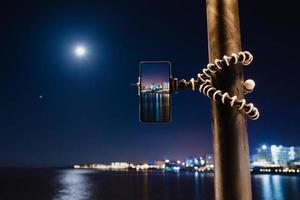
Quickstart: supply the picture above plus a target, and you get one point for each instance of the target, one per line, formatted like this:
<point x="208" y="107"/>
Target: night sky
<point x="89" y="112"/>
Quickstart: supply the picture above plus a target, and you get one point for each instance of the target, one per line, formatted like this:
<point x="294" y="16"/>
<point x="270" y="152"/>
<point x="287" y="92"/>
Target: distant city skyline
<point x="264" y="156"/>
<point x="274" y="159"/>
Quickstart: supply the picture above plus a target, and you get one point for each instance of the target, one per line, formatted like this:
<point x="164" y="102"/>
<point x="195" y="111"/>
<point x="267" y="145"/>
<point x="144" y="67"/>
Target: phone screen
<point x="155" y="91"/>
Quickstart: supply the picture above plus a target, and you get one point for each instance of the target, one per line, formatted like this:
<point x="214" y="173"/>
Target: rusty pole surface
<point x="230" y="140"/>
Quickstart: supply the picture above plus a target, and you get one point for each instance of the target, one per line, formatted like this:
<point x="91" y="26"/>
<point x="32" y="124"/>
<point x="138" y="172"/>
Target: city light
<point x="202" y="162"/>
<point x="274" y="160"/>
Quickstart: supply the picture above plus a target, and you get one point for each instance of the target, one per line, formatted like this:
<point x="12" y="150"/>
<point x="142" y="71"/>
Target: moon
<point x="80" y="51"/>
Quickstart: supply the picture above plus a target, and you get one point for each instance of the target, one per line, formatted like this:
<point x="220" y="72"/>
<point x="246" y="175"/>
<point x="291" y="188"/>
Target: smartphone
<point x="155" y="91"/>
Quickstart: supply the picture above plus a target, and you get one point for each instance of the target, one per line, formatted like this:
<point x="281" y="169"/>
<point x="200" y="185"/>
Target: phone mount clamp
<point x="203" y="83"/>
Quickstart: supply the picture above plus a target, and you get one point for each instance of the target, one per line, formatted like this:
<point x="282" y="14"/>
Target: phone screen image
<point x="155" y="91"/>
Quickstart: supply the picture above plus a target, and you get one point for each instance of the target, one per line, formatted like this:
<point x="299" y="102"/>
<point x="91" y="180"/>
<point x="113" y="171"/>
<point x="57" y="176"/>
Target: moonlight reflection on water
<point x="74" y="185"/>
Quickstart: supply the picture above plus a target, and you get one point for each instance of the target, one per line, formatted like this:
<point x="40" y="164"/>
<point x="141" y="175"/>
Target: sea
<point x="84" y="184"/>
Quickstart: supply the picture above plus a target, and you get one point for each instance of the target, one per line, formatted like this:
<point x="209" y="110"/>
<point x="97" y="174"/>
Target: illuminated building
<point x="155" y="86"/>
<point x="192" y="161"/>
<point x="119" y="165"/>
<point x="264" y="154"/>
<point x="165" y="86"/>
<point x="284" y="155"/>
<point x="209" y="159"/>
<point x="173" y="165"/>
<point x="160" y="163"/>
<point x="276" y="155"/>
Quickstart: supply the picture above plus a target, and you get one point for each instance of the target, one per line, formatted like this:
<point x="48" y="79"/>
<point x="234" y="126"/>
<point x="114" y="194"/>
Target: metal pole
<point x="230" y="140"/>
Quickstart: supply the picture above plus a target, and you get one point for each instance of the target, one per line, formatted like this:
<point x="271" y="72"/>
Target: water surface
<point x="75" y="184"/>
